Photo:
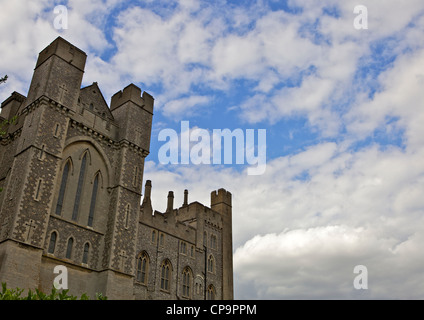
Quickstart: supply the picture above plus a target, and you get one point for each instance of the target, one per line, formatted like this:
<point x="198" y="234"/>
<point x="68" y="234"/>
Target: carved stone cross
<point x="123" y="258"/>
<point x="30" y="226"/>
<point x="62" y="89"/>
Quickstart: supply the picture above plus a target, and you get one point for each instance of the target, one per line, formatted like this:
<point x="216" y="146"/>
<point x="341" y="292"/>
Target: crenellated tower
<point x="132" y="112"/>
<point x="221" y="202"/>
<point x="71" y="173"/>
<point x="58" y="74"/>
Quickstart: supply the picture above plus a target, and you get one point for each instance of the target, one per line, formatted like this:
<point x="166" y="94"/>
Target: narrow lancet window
<point x="69" y="248"/>
<point x="79" y="187"/>
<point x="59" y="205"/>
<point x="85" y="254"/>
<point x="93" y="201"/>
<point x="52" y="243"/>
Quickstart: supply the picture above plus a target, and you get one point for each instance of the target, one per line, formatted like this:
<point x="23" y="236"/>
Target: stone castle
<point x="71" y="173"/>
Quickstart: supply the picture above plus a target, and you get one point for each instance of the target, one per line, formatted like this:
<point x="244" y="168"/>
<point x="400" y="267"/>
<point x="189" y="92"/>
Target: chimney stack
<point x="170" y="202"/>
<point x="146" y="206"/>
<point x="148" y="189"/>
<point x="185" y="198"/>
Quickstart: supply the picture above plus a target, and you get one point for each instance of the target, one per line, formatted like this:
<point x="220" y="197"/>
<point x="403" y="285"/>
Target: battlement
<point x="67" y="140"/>
<point x="10" y="106"/>
<point x="65" y="50"/>
<point x="132" y="93"/>
<point x="220" y="196"/>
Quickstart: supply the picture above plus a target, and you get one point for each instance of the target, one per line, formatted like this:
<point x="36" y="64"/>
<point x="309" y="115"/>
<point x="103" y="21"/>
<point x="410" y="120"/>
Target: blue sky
<point x="343" y="110"/>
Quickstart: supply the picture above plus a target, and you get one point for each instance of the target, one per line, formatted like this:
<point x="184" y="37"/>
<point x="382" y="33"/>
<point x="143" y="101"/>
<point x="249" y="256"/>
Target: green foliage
<point x="99" y="296"/>
<point x="5" y="123"/>
<point x="16" y="294"/>
<point x="10" y="294"/>
<point x="2" y="125"/>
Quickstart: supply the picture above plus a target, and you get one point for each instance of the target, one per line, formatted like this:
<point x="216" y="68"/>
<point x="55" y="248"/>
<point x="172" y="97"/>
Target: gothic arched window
<point x="211" y="264"/>
<point x="210" y="294"/>
<point x="93" y="200"/>
<point x="187" y="279"/>
<point x="166" y="270"/>
<point x="85" y="254"/>
<point x="79" y="187"/>
<point x="213" y="241"/>
<point x="52" y="243"/>
<point x="65" y="174"/>
<point x="69" y="248"/>
<point x="153" y="236"/>
<point x="83" y="193"/>
<point x="142" y="268"/>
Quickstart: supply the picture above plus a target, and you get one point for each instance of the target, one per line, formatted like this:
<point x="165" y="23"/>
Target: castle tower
<point x="133" y="114"/>
<point x="36" y="151"/>
<point x="50" y="78"/>
<point x="72" y="170"/>
<point x="221" y="203"/>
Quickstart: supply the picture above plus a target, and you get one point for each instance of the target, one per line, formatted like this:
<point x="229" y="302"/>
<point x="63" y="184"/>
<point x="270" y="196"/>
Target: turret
<point x="10" y="106"/>
<point x="221" y="203"/>
<point x="58" y="74"/>
<point x="133" y="112"/>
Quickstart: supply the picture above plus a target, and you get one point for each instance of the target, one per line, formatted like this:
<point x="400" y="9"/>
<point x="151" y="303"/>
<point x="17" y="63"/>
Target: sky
<point x="342" y="107"/>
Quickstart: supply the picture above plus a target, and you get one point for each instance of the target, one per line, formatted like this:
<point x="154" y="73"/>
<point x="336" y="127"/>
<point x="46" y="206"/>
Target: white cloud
<point x="25" y="32"/>
<point x="300" y="228"/>
<point x="301" y="237"/>
<point x="180" y="108"/>
<point x="401" y="97"/>
<point x="317" y="263"/>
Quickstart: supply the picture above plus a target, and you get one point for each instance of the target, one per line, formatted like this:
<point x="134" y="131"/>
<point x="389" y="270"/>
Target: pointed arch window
<point x="213" y="241"/>
<point x="211" y="264"/>
<point x="210" y="294"/>
<point x="183" y="247"/>
<point x="166" y="270"/>
<point x="142" y="268"/>
<point x="52" y="243"/>
<point x="187" y="279"/>
<point x="65" y="174"/>
<point x="154" y="236"/>
<point x="93" y="200"/>
<point x="79" y="187"/>
<point x="85" y="254"/>
<point x="69" y="248"/>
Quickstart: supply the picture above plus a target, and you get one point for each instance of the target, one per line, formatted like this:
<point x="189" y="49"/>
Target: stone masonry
<point x="71" y="170"/>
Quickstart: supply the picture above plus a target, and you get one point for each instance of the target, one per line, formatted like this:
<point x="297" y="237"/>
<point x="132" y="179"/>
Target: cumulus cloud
<point x="319" y="262"/>
<point x="401" y="97"/>
<point x="352" y="196"/>
<point x="181" y="107"/>
<point x="300" y="235"/>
